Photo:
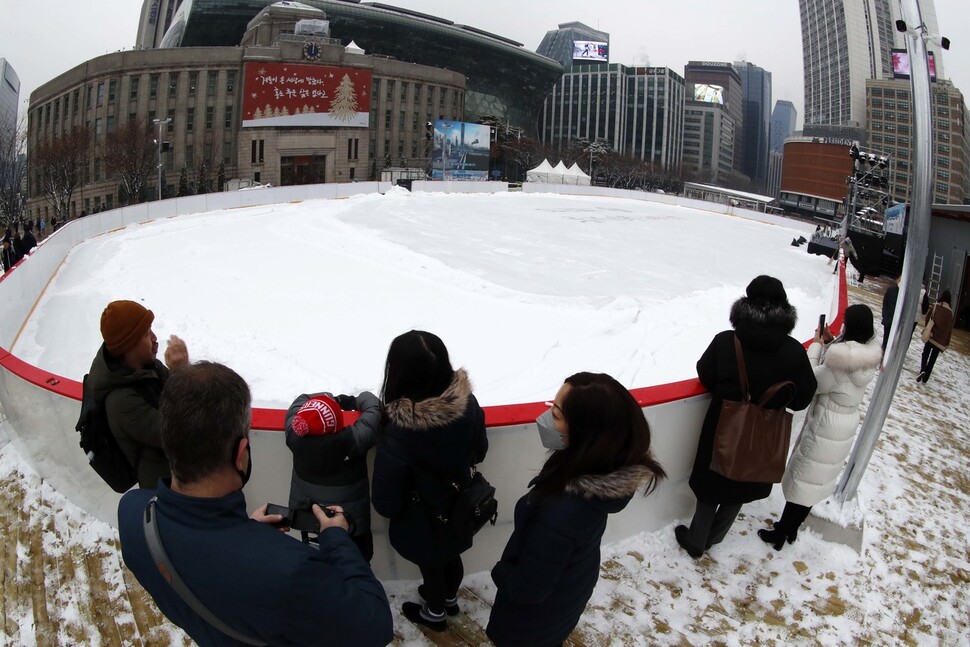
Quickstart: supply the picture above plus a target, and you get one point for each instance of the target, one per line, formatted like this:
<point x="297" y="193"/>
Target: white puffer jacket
<point x="843" y="372"/>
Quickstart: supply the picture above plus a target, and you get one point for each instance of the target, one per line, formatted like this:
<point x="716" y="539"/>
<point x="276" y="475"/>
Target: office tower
<point x="756" y="121"/>
<point x="783" y="119"/>
<point x="156" y="18"/>
<point x="718" y="83"/>
<point x="637" y="111"/>
<point x="575" y="44"/>
<point x="9" y="94"/>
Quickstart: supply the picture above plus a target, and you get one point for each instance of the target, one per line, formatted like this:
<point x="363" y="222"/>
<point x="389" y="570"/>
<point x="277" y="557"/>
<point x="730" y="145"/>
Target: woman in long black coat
<point x="432" y="432"/>
<point x="601" y="457"/>
<point x="762" y="321"/>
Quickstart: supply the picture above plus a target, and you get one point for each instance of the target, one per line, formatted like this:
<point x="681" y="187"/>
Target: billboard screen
<point x="901" y="67"/>
<point x="894" y="220"/>
<point x="709" y="93"/>
<point x="589" y="50"/>
<point x="461" y="151"/>
<point x="292" y="95"/>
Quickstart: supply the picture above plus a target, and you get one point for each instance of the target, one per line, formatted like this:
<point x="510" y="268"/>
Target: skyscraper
<point x="9" y="94"/>
<point x="717" y="83"/>
<point x="783" y="119"/>
<point x="559" y="44"/>
<point x="156" y="18"/>
<point x="845" y="43"/>
<point x="756" y="108"/>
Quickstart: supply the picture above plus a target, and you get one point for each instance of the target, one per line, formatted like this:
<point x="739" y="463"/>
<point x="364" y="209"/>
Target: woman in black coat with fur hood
<point x="762" y="321"/>
<point x="601" y="457"/>
<point x="433" y="431"/>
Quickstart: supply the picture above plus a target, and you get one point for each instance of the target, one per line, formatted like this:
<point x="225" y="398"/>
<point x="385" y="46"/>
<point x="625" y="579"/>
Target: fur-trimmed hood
<point x="858" y="360"/>
<point x="750" y="315"/>
<point x="621" y="484"/>
<point x="433" y="412"/>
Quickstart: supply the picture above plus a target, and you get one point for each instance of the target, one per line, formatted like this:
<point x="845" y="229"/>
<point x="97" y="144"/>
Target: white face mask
<point x="550" y="438"/>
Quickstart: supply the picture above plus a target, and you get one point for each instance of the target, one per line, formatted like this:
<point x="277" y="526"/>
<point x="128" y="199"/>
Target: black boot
<point x="420" y="614"/>
<point x="774" y="537"/>
<point x="451" y="604"/>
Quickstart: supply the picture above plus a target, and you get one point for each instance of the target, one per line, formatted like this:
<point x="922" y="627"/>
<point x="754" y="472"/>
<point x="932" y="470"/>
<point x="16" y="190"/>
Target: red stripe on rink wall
<point x="495" y="416"/>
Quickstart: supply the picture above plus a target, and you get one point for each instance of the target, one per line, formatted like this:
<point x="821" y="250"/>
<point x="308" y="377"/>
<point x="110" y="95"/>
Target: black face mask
<point x="249" y="469"/>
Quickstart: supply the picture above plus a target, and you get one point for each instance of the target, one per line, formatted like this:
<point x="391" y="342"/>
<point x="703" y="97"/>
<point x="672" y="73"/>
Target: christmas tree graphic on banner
<point x="344" y="104"/>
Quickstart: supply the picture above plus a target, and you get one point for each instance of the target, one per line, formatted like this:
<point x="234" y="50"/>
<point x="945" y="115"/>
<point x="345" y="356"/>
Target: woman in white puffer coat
<point x="843" y="369"/>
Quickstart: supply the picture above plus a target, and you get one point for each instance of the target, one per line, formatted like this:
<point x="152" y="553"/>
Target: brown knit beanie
<point x="123" y="323"/>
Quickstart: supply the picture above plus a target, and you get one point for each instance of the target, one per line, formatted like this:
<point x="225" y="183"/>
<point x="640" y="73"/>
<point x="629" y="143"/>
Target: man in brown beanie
<point x="128" y="378"/>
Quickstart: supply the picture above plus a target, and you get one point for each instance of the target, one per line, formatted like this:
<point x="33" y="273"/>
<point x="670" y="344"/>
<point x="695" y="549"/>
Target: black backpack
<point x="474" y="505"/>
<point x="99" y="444"/>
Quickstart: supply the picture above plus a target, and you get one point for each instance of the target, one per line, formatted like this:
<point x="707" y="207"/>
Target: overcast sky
<point x="44" y="38"/>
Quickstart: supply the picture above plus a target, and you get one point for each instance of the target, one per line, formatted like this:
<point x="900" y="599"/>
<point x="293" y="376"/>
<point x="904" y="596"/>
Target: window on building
<point x="76" y="102"/>
<point x="193" y="81"/>
<point x="190" y="120"/>
<point x="110" y="123"/>
<point x="171" y="120"/>
<point x="228" y="117"/>
<point x="209" y="117"/>
<point x="227" y="152"/>
<point x="112" y="86"/>
<point x="207" y="152"/>
<point x="97" y="169"/>
<point x="230" y="81"/>
<point x="190" y="155"/>
<point x="89" y="95"/>
<point x="257" y="151"/>
<point x="387" y="119"/>
<point x="173" y="83"/>
<point x="133" y="88"/>
<point x="153" y="86"/>
<point x="97" y="127"/>
<point x="100" y="92"/>
<point x="212" y="77"/>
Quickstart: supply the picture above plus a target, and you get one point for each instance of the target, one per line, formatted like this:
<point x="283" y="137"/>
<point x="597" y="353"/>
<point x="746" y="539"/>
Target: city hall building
<point x="291" y="101"/>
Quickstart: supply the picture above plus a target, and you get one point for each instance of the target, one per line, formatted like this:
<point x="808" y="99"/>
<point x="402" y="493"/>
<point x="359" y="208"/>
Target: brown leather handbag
<point x="751" y="442"/>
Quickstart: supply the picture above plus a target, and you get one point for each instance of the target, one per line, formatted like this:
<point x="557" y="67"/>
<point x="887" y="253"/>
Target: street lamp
<point x="160" y="123"/>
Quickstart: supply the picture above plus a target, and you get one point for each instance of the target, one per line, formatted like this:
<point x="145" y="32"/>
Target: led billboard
<point x="461" y="151"/>
<point x="589" y="50"/>
<point x="709" y="93"/>
<point x="293" y="95"/>
<point x="901" y="68"/>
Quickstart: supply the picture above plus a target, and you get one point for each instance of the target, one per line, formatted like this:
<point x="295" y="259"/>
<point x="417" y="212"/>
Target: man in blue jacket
<point x="261" y="583"/>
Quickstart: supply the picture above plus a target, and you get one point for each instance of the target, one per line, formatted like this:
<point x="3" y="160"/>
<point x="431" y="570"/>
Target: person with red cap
<point x="127" y="378"/>
<point x="330" y="459"/>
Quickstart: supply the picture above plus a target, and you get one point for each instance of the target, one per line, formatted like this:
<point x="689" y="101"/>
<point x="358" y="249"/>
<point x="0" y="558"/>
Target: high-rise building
<point x="845" y="43"/>
<point x="156" y="18"/>
<point x="756" y="106"/>
<point x="783" y="119"/>
<point x="890" y="109"/>
<point x="9" y="94"/>
<point x="709" y="142"/>
<point x="718" y="83"/>
<point x="561" y="45"/>
<point x="638" y="111"/>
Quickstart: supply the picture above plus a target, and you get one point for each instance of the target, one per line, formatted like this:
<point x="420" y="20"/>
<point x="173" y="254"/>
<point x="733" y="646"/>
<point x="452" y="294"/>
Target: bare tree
<point x="13" y="171"/>
<point x="131" y="153"/>
<point x="58" y="164"/>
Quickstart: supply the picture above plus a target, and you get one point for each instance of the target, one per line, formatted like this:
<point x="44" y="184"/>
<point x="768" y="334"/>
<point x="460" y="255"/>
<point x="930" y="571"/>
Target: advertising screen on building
<point x="709" y="93"/>
<point x="461" y="151"/>
<point x="288" y="95"/>
<point x="589" y="50"/>
<point x="901" y="68"/>
<point x="894" y="220"/>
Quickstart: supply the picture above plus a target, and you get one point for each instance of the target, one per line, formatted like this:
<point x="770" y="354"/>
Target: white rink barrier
<point x="38" y="410"/>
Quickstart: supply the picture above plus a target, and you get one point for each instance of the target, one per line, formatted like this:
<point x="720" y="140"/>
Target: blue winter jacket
<point x="551" y="563"/>
<point x="261" y="582"/>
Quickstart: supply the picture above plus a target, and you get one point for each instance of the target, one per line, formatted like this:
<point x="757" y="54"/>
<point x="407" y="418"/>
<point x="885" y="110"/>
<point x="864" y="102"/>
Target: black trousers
<point x="441" y="582"/>
<point x="930" y="353"/>
<point x="711" y="523"/>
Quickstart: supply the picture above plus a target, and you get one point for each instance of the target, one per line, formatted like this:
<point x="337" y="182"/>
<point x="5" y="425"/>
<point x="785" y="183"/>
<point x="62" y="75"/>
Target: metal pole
<point x="160" y="123"/>
<point x="917" y="244"/>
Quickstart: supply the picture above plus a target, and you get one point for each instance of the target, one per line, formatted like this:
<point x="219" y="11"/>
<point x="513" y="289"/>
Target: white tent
<point x="541" y="173"/>
<point x="579" y="177"/>
<point x="560" y="174"/>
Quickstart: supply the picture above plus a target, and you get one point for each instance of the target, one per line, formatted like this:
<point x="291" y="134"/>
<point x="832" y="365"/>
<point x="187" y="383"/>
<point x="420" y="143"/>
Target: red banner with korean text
<point x="294" y="95"/>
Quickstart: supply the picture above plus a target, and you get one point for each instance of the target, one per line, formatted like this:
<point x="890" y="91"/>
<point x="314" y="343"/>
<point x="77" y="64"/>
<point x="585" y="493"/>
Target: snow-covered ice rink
<point x="523" y="289"/>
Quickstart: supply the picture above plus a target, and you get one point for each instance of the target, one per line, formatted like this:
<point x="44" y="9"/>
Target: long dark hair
<point x="607" y="431"/>
<point x="858" y="324"/>
<point x="417" y="367"/>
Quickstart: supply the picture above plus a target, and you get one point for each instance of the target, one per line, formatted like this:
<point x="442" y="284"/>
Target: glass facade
<point x="503" y="79"/>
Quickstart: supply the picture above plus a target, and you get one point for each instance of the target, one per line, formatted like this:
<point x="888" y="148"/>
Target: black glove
<point x="347" y="402"/>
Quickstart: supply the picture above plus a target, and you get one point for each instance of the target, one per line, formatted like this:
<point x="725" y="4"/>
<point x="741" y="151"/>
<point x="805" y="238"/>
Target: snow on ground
<point x="523" y="289"/>
<point x="909" y="586"/>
